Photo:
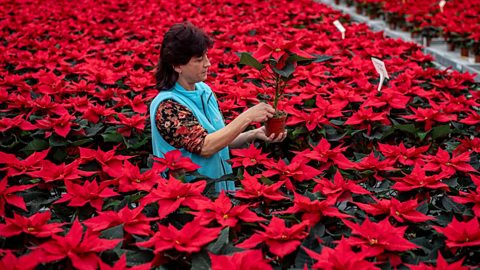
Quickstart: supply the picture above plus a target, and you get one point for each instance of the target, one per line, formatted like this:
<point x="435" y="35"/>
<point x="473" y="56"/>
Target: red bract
<point x="16" y="167"/>
<point x="134" y="123"/>
<point x="110" y="162"/>
<point x="16" y="122"/>
<point x="280" y="239"/>
<point x="90" y="193"/>
<point x="82" y="249"/>
<point x="406" y="156"/>
<point x="297" y="170"/>
<point x="471" y="196"/>
<point x="10" y="262"/>
<point x="61" y="126"/>
<point x="252" y="189"/>
<point x="249" y="259"/>
<point x="121" y="264"/>
<point x="172" y="193"/>
<point x="340" y="257"/>
<point x="7" y="196"/>
<point x="401" y="211"/>
<point x="377" y="238"/>
<point x="324" y="153"/>
<point x="94" y="112"/>
<point x="247" y="157"/>
<point x="461" y="234"/>
<point x="132" y="179"/>
<point x="340" y="189"/>
<point x="449" y="166"/>
<point x="365" y="117"/>
<point x="173" y="160"/>
<point x="133" y="221"/>
<point x="224" y="212"/>
<point x="191" y="238"/>
<point x="417" y="179"/>
<point x="35" y="225"/>
<point x="442" y="264"/>
<point x="276" y="49"/>
<point x="311" y="120"/>
<point x="51" y="172"/>
<point x="370" y="162"/>
<point x="313" y="210"/>
<point x="430" y="116"/>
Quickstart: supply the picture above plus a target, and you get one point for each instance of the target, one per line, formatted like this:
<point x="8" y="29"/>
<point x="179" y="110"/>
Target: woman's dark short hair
<point x="180" y="43"/>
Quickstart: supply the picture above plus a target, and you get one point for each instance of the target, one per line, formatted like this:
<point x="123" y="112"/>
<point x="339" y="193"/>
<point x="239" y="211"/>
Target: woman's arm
<point x="214" y="142"/>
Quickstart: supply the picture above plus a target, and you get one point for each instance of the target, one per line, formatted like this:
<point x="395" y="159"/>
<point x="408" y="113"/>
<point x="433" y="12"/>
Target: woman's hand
<point x="259" y="113"/>
<point x="260" y="133"/>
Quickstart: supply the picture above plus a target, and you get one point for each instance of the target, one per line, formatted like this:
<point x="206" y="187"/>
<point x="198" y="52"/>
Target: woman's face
<point x="195" y="70"/>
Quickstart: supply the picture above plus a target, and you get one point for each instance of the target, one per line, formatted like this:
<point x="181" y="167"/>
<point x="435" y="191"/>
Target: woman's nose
<point x="207" y="62"/>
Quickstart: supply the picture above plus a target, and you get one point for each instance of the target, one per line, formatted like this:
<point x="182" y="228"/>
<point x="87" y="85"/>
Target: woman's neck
<point x="188" y="86"/>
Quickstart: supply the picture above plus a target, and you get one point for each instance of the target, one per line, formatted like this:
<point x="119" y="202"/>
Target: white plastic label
<point x="382" y="71"/>
<point x="340" y="28"/>
<point x="442" y="4"/>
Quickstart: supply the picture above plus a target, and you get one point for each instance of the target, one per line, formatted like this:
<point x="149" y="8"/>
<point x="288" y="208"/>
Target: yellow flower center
<point x="225" y="216"/>
<point x="283" y="237"/>
<point x="137" y="180"/>
<point x="30" y="229"/>
<point x="397" y="213"/>
<point x="278" y="50"/>
<point x="373" y="241"/>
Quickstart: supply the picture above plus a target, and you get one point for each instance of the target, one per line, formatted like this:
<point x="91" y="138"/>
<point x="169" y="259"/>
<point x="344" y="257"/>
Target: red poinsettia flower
<point x="313" y="210"/>
<point x="130" y="123"/>
<point x="472" y="118"/>
<point x="297" y="170"/>
<point x="82" y="249"/>
<point x="471" y="196"/>
<point x="172" y="193"/>
<point x="63" y="172"/>
<point x="224" y="212"/>
<point x="340" y="189"/>
<point x="401" y="211"/>
<point x="61" y="126"/>
<point x="402" y="154"/>
<point x="121" y="264"/>
<point x="324" y="153"/>
<point x="449" y="166"/>
<point x="276" y="49"/>
<point x="364" y="117"/>
<point x="111" y="163"/>
<point x="174" y="161"/>
<point x="418" y="179"/>
<point x="461" y="234"/>
<point x="35" y="225"/>
<point x="190" y="238"/>
<point x="16" y="122"/>
<point x="7" y="196"/>
<point x="442" y="264"/>
<point x="377" y="238"/>
<point x="16" y="166"/>
<point x="247" y="157"/>
<point x="430" y="115"/>
<point x="94" y="112"/>
<point x="132" y="179"/>
<point x="370" y="162"/>
<point x="10" y="262"/>
<point x="252" y="189"/>
<point x="133" y="220"/>
<point x="249" y="259"/>
<point x="467" y="145"/>
<point x="340" y="257"/>
<point x="90" y="192"/>
<point x="310" y="119"/>
<point x="280" y="239"/>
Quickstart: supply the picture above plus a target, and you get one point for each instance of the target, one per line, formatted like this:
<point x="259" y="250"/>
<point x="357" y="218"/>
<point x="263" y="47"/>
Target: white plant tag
<point x="340" y="28"/>
<point x="381" y="70"/>
<point x="442" y="4"/>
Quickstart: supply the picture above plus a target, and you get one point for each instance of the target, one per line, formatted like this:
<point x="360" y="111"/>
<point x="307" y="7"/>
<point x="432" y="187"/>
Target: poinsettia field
<point x="366" y="179"/>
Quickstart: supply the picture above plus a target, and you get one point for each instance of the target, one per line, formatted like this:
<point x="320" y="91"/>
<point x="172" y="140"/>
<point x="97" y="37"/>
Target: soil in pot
<point x="276" y="124"/>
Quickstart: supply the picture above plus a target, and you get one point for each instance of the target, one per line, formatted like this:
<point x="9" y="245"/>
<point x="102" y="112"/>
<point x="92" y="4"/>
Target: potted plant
<point x="276" y="66"/>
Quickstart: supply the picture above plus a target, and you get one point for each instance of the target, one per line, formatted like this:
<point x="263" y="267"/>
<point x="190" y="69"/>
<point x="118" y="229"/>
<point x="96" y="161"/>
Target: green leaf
<point x="321" y="58"/>
<point x="222" y="241"/>
<point x="247" y="59"/>
<point x="137" y="257"/>
<point x="410" y="128"/>
<point x="36" y="145"/>
<point x="285" y="71"/>
<point x="114" y="137"/>
<point x="200" y="261"/>
<point x="113" y="232"/>
<point x="422" y="135"/>
<point x="440" y="131"/>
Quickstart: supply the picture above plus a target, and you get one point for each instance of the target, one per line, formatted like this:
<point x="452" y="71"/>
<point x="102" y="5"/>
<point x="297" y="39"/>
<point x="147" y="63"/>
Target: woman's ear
<point x="177" y="69"/>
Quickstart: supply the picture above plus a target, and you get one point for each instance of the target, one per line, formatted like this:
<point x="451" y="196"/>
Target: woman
<point x="185" y="114"/>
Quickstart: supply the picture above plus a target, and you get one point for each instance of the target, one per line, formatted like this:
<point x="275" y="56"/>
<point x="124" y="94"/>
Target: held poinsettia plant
<point x="276" y="62"/>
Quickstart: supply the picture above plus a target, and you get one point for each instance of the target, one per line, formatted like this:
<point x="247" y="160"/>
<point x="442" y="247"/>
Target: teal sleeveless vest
<point x="203" y="104"/>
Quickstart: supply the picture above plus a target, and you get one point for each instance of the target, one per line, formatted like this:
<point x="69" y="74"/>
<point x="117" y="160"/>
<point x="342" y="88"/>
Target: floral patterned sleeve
<point x="179" y="127"/>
